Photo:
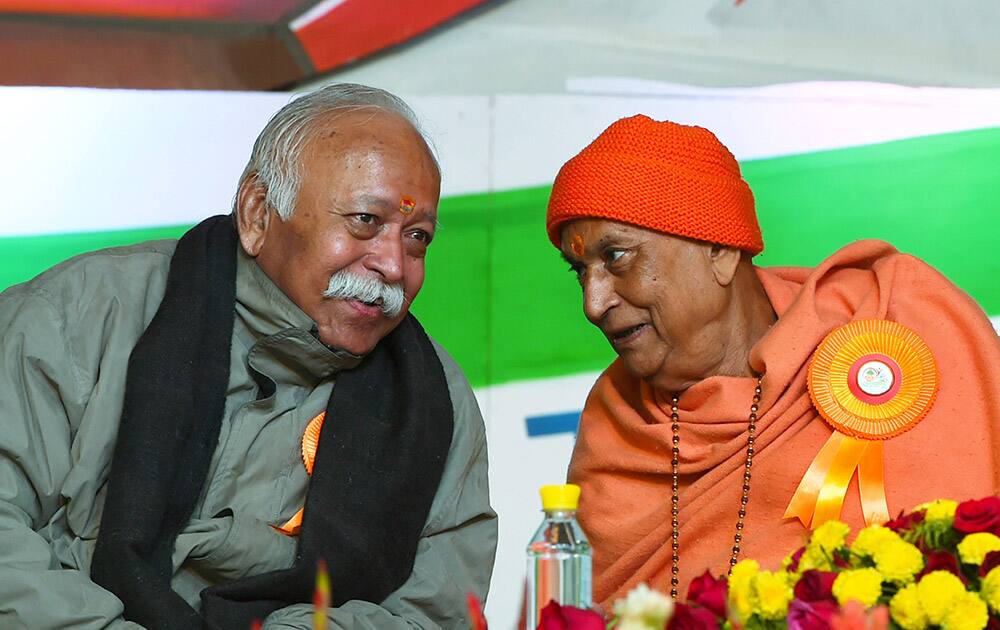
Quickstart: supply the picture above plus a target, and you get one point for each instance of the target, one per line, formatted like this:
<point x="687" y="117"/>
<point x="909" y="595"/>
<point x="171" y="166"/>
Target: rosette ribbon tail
<point x="820" y="495"/>
<point x="871" y="483"/>
<point x="292" y="526"/>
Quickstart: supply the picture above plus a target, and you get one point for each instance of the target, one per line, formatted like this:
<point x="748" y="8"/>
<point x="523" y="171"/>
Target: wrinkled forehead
<point x="361" y="154"/>
<point x="369" y="128"/>
<point x="586" y="236"/>
<point x="591" y="230"/>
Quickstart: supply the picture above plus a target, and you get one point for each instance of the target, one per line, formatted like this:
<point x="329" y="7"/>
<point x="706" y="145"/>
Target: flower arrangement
<point x="935" y="567"/>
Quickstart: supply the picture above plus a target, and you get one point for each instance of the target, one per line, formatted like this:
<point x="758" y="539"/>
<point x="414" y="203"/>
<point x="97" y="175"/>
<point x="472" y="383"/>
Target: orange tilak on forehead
<point x="576" y="245"/>
<point x="407" y="204"/>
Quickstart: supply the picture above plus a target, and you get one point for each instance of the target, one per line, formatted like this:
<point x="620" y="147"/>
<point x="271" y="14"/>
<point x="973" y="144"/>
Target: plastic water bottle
<point x="558" y="555"/>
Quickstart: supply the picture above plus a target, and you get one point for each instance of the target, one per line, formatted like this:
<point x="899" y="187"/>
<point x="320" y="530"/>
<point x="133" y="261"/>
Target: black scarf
<point x="380" y="457"/>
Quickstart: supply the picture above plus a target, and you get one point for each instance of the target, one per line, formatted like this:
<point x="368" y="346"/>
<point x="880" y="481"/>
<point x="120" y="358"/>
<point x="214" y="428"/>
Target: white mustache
<point x="351" y="286"/>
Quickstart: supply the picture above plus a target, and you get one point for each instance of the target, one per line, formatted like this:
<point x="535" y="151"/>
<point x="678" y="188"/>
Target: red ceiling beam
<point x="263" y="11"/>
<point x="351" y="29"/>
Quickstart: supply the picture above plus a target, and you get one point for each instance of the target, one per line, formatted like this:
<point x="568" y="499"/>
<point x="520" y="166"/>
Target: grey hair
<point x="275" y="159"/>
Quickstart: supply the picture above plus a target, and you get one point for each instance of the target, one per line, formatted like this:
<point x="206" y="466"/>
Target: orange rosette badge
<point x="870" y="380"/>
<point x="310" y="441"/>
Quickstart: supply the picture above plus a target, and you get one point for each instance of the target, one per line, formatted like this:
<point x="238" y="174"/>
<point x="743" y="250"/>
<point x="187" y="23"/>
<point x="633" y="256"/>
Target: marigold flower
<point x="906" y="609"/>
<point x="770" y="594"/>
<point x="871" y="539"/>
<point x="968" y="612"/>
<point x="989" y="589"/>
<point x="974" y="547"/>
<point x="940" y="510"/>
<point x="830" y="536"/>
<point x="740" y="604"/>
<point x="938" y="590"/>
<point x="814" y="557"/>
<point x="860" y="585"/>
<point x="898" y="561"/>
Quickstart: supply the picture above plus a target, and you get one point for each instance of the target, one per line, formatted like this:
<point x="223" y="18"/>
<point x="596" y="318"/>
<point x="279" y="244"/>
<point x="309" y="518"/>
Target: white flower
<point x="643" y="609"/>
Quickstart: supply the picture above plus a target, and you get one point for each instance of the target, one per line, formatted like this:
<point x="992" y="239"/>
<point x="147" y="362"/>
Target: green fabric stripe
<point x="499" y="298"/>
<point x="24" y="257"/>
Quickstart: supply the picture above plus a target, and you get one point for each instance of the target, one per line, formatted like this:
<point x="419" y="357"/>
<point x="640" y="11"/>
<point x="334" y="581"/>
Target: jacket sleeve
<point x="455" y="554"/>
<point x="39" y="392"/>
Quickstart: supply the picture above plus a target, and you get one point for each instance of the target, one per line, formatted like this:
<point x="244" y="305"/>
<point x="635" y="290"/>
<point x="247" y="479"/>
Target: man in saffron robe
<point x="661" y="229"/>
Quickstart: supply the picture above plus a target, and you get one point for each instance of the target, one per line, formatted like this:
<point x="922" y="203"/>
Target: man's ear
<point x="724" y="260"/>
<point x="252" y="214"/>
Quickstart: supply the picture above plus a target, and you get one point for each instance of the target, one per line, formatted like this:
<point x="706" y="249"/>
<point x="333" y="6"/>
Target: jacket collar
<point x="280" y="333"/>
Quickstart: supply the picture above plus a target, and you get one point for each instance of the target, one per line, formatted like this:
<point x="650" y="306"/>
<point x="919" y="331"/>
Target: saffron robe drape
<point x="622" y="456"/>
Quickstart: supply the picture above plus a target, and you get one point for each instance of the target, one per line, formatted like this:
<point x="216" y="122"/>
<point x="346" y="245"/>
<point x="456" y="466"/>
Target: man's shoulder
<point x="452" y="370"/>
<point x="115" y="261"/>
<point x="458" y="385"/>
<point x="133" y="276"/>
<point x="130" y="264"/>
<point x="468" y="416"/>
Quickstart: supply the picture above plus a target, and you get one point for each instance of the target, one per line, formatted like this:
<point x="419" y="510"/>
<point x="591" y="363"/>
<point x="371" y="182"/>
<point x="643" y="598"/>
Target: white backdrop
<point x="84" y="160"/>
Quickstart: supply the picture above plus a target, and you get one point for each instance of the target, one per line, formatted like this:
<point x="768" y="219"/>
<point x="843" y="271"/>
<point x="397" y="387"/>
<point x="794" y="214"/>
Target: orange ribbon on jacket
<point x="310" y="441"/>
<point x="821" y="492"/>
<point x="870" y="380"/>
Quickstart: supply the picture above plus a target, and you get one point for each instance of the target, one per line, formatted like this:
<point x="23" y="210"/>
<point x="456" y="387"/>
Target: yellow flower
<point x="906" y="610"/>
<point x="989" y="589"/>
<point x="770" y="594"/>
<point x="739" y="584"/>
<point x="791" y="578"/>
<point x="974" y="547"/>
<point x="939" y="510"/>
<point x="830" y="536"/>
<point x="862" y="585"/>
<point x="968" y="612"/>
<point x="814" y="558"/>
<point x="898" y="561"/>
<point x="938" y="590"/>
<point x="871" y="539"/>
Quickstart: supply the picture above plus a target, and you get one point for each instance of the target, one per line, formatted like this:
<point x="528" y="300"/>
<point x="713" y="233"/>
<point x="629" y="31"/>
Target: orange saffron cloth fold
<point x="622" y="455"/>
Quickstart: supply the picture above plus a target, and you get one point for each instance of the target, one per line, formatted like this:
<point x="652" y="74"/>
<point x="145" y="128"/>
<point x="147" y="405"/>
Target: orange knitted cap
<point x="660" y="175"/>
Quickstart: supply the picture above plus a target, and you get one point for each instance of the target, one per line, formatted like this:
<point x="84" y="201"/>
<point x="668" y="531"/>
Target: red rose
<point x="692" y="618"/>
<point x="815" y="586"/>
<point x="978" y="516"/>
<point x="709" y="593"/>
<point x="905" y="522"/>
<point x="810" y="615"/>
<point x="556" y="617"/>
<point x="990" y="562"/>
<point x="943" y="561"/>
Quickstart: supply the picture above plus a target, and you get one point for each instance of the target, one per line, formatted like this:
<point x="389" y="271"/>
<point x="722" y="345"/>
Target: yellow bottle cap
<point x="564" y="497"/>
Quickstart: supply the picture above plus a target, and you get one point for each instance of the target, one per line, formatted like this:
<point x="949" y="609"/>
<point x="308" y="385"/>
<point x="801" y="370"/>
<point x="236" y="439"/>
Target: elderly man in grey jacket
<point x="188" y="429"/>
